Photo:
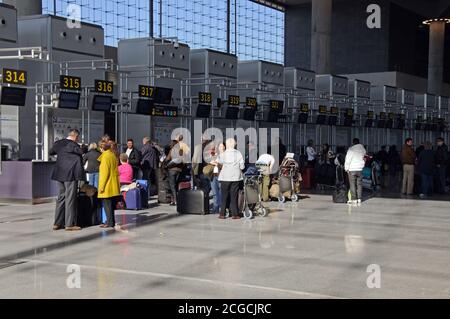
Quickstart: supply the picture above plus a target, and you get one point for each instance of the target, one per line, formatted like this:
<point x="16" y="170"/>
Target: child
<point x="125" y="170"/>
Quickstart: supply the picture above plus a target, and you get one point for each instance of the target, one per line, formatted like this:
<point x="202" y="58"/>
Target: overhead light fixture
<point x="430" y="21"/>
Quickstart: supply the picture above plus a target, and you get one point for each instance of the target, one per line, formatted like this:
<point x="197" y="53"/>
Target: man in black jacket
<point x="441" y="157"/>
<point x="149" y="161"/>
<point x="68" y="171"/>
<point x="134" y="158"/>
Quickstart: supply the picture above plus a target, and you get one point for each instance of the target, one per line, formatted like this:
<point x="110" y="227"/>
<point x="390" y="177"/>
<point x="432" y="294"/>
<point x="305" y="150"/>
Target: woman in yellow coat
<point x="108" y="185"/>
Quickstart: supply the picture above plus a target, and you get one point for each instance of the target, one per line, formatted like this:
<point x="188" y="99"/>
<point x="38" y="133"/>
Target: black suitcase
<point x="87" y="213"/>
<point x="192" y="201"/>
<point x="340" y="194"/>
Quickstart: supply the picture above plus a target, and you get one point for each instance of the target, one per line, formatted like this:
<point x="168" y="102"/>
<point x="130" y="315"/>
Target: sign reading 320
<point x="11" y="76"/>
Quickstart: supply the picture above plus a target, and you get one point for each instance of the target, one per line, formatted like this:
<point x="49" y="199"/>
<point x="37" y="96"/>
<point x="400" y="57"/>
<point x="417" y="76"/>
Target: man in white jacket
<point x="354" y="164"/>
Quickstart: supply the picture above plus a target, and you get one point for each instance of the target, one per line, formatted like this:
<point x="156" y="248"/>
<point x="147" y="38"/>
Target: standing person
<point x="174" y="166"/>
<point x="394" y="164"/>
<point x="125" y="170"/>
<point x="311" y="152"/>
<point x="184" y="148"/>
<point x="426" y="167"/>
<point x="354" y="164"/>
<point x="324" y="153"/>
<point x="198" y="163"/>
<point x="149" y="161"/>
<point x="383" y="157"/>
<point x="441" y="159"/>
<point x="408" y="158"/>
<point x="90" y="158"/>
<point x="134" y="158"/>
<point x="230" y="178"/>
<point x="282" y="151"/>
<point x="215" y="184"/>
<point x="68" y="171"/>
<point x="109" y="184"/>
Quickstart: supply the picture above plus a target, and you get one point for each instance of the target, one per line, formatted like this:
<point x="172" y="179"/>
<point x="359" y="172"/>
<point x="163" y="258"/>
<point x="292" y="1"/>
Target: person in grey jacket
<point x="230" y="177"/>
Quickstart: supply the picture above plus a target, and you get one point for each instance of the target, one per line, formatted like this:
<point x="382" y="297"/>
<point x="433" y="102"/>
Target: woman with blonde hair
<point x="109" y="184"/>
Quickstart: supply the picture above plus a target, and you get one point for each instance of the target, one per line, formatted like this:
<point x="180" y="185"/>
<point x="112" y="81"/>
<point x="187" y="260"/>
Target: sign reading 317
<point x="11" y="76"/>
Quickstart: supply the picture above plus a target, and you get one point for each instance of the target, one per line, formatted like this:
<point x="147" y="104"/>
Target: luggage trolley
<point x="287" y="178"/>
<point x="252" y="194"/>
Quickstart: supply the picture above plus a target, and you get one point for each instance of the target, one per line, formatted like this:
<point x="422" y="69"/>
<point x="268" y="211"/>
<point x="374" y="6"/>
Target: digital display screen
<point x="332" y="120"/>
<point x="304" y="107"/>
<point x="205" y="98"/>
<point x="102" y="86"/>
<point x="370" y="115"/>
<point x="369" y="123"/>
<point x="323" y="109"/>
<point x="321" y="119"/>
<point x="273" y="116"/>
<point x="144" y="107"/>
<point x="232" y="113"/>
<point x="391" y="116"/>
<point x="146" y="91"/>
<point x="348" y="121"/>
<point x="11" y="76"/>
<point x="203" y="111"/>
<point x="13" y="96"/>
<point x="381" y="124"/>
<point x="102" y="103"/>
<point x="168" y="111"/>
<point x="249" y="114"/>
<point x="276" y="105"/>
<point x="303" y="118"/>
<point x="70" y="82"/>
<point x="163" y="95"/>
<point x="349" y="113"/>
<point x="382" y="115"/>
<point x="250" y="102"/>
<point x="334" y="110"/>
<point x="69" y="100"/>
<point x="233" y="100"/>
<point x="400" y="124"/>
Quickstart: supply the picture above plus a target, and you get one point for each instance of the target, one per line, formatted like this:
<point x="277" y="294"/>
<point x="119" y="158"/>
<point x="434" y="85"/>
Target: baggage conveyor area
<point x="308" y="249"/>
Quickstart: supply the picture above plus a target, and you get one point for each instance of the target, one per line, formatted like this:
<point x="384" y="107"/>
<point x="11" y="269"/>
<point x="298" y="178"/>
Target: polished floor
<point x="386" y="248"/>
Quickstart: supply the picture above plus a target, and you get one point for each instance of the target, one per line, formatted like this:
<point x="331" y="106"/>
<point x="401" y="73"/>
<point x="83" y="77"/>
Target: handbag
<point x="208" y="170"/>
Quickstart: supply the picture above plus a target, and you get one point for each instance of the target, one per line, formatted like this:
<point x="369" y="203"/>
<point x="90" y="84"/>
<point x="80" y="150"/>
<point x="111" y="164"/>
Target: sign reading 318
<point x="12" y="76"/>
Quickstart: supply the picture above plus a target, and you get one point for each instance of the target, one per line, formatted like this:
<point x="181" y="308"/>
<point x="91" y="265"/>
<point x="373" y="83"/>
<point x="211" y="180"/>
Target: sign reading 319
<point x="102" y="86"/>
<point x="11" y="76"/>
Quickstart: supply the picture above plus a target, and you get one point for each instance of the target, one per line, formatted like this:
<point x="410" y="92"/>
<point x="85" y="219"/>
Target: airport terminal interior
<point x="333" y="181"/>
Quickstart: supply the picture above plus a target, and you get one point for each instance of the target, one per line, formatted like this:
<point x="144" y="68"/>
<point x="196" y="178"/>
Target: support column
<point x="321" y="36"/>
<point x="436" y="55"/>
<point x="26" y="7"/>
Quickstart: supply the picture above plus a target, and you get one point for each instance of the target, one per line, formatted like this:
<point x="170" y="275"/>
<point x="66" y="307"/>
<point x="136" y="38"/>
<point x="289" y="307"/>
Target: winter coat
<point x="354" y="160"/>
<point x="109" y="184"/>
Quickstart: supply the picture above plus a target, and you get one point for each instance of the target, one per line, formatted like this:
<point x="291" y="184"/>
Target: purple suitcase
<point x="133" y="199"/>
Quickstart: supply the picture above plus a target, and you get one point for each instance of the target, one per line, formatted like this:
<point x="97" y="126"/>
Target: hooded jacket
<point x="354" y="160"/>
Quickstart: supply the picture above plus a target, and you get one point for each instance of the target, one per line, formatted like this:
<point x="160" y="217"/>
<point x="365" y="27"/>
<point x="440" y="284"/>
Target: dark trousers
<point x="149" y="174"/>
<point x="108" y="204"/>
<point x="355" y="179"/>
<point x="66" y="204"/>
<point x="441" y="172"/>
<point x="427" y="184"/>
<point x="230" y="193"/>
<point x="173" y="182"/>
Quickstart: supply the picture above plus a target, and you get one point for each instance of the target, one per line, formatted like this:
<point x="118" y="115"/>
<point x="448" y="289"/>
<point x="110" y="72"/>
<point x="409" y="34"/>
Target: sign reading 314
<point x="12" y="76"/>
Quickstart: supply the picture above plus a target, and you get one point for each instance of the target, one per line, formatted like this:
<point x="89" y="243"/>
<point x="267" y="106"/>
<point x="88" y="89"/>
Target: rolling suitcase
<point x="307" y="176"/>
<point x="192" y="201"/>
<point x="86" y="211"/>
<point x="134" y="199"/>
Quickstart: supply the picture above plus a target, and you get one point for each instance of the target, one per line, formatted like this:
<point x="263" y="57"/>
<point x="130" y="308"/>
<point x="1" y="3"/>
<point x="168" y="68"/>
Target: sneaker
<point x="351" y="202"/>
<point x="358" y="202"/>
<point x="422" y="196"/>
<point x="222" y="216"/>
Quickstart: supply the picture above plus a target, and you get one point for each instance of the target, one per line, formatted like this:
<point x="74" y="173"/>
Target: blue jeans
<point x="215" y="185"/>
<point x="93" y="179"/>
<point x="427" y="184"/>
